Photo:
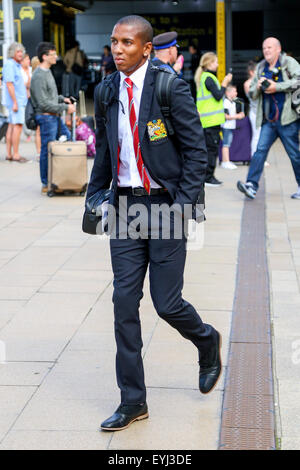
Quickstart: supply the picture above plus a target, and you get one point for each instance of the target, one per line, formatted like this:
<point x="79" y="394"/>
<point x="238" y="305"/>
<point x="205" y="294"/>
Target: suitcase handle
<point x="74" y="124"/>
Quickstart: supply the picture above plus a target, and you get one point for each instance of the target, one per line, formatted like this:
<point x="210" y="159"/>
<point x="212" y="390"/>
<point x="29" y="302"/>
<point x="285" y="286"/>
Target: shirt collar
<point x="137" y="77"/>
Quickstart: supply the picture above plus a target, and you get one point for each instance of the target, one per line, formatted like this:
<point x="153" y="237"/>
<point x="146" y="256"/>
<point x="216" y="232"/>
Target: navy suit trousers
<point x="166" y="261"/>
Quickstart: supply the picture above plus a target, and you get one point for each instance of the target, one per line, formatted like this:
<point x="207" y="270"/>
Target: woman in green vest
<point x="210" y="107"/>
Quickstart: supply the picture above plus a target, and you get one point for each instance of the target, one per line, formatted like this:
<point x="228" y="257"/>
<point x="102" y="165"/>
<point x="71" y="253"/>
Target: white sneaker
<point x="228" y="166"/>
<point x="296" y="195"/>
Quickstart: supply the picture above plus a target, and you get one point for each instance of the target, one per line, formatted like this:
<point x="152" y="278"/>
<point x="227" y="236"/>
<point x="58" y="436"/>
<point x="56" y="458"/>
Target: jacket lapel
<point x="146" y="101"/>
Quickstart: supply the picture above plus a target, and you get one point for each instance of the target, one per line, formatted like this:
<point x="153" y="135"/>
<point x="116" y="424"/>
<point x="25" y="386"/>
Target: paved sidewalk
<point x="56" y="320"/>
<point x="283" y="222"/>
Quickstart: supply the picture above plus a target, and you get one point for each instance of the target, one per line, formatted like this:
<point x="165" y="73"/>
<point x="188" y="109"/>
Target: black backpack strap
<point x="104" y="95"/>
<point x="163" y="88"/>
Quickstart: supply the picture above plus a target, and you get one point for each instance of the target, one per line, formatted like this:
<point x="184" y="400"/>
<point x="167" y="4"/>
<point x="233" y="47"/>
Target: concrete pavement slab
<point x="54" y="309"/>
<point x="23" y="373"/>
<point x="69" y="287"/>
<point x="56" y="440"/>
<point x="12" y="239"/>
<point x="22" y="344"/>
<point x="38" y="260"/>
<point x="63" y="415"/>
<point x="17" y="292"/>
<point x="12" y="402"/>
<point x="8" y="309"/>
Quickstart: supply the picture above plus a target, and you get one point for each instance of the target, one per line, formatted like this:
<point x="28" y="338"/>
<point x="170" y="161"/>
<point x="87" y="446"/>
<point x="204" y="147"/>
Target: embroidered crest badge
<point x="156" y="130"/>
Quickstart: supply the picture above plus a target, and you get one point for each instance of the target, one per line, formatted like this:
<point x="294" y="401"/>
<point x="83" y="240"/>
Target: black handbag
<point x="3" y="126"/>
<point x="30" y="116"/>
<point x="92" y="216"/>
<point x="77" y="69"/>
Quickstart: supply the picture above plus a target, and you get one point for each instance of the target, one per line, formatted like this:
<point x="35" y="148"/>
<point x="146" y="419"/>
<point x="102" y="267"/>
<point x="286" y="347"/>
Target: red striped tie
<point x="135" y="134"/>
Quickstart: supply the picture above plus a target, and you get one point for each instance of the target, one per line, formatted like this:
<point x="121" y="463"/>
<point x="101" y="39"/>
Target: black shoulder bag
<point x="92" y="216"/>
<point x="30" y="116"/>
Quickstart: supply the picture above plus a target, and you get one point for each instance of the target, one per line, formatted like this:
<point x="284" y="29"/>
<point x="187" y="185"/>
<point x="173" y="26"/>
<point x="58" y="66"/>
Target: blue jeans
<point x="227" y="137"/>
<point x="49" y="132"/>
<point x="269" y="132"/>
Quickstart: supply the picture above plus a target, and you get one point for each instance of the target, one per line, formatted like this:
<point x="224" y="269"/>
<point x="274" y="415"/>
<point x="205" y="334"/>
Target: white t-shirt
<point x="25" y="76"/>
<point x="230" y="106"/>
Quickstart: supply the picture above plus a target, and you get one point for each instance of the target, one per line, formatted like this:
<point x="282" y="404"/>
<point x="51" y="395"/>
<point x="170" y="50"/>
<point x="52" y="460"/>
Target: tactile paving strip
<point x="242" y="411"/>
<point x="247" y="439"/>
<point x="248" y="409"/>
<point x="249" y="365"/>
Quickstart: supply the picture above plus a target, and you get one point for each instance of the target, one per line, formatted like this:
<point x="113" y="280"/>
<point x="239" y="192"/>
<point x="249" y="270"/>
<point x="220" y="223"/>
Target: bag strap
<point x="104" y="92"/>
<point x="163" y="89"/>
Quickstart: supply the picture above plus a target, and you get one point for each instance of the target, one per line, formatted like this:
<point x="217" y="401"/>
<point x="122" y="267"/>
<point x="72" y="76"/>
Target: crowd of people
<point x="219" y="110"/>
<point x="131" y="141"/>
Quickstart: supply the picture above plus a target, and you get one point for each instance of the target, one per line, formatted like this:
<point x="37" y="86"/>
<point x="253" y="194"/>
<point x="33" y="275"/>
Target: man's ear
<point x="147" y="49"/>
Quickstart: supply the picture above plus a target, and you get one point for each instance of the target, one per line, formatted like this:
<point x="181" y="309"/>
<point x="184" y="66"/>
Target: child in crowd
<point x="230" y="124"/>
<point x="85" y="133"/>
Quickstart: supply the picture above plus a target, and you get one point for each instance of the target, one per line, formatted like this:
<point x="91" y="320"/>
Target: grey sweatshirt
<point x="43" y="92"/>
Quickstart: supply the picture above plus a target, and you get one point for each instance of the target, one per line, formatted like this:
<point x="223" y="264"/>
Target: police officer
<point x="165" y="49"/>
<point x="210" y="107"/>
<point x="129" y="161"/>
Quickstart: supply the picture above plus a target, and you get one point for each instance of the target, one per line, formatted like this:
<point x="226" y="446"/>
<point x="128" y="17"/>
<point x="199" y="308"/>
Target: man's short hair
<point x="145" y="27"/>
<point x="44" y="48"/>
<point x="231" y="86"/>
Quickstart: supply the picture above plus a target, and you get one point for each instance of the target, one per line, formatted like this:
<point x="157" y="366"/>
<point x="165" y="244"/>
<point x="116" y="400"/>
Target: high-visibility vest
<point x="211" y="111"/>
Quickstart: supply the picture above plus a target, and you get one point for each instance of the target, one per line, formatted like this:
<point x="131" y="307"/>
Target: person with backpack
<point x="145" y="165"/>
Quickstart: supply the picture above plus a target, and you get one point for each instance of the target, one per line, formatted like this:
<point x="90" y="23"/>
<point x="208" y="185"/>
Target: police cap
<point x="165" y="40"/>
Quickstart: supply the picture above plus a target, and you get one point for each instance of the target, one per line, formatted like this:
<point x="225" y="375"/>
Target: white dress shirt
<point x="128" y="171"/>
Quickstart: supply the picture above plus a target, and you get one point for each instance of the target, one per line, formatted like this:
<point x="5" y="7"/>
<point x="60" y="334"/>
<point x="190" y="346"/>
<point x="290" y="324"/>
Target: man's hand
<point x="262" y="79"/>
<point x="272" y="88"/>
<point x="67" y="100"/>
<point x="240" y="115"/>
<point x="15" y="107"/>
<point x="71" y="109"/>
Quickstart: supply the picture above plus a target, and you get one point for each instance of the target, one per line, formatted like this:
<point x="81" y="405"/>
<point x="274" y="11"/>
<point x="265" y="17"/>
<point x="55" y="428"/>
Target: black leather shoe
<point x="124" y="416"/>
<point x="210" y="368"/>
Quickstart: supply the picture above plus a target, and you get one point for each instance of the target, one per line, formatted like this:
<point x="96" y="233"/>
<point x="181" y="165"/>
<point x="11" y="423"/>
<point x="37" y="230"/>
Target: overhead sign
<point x="191" y="28"/>
<point x="221" y="38"/>
<point x="27" y="12"/>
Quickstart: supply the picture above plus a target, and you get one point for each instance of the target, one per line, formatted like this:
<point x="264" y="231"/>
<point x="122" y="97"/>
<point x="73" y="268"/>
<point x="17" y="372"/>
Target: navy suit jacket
<point x="177" y="163"/>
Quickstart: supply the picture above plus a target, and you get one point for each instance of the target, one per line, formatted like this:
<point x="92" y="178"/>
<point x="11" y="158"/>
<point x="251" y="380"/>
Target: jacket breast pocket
<point x="163" y="140"/>
<point x="157" y="132"/>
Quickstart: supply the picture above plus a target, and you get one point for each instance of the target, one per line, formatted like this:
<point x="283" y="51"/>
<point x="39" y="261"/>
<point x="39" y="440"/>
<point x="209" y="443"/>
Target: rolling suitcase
<point x="67" y="166"/>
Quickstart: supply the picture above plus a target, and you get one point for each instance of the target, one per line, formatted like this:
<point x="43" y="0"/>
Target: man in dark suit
<point x="138" y="159"/>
